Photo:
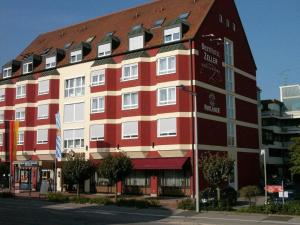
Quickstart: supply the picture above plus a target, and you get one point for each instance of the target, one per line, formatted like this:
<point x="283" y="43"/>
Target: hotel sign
<point x="211" y="107"/>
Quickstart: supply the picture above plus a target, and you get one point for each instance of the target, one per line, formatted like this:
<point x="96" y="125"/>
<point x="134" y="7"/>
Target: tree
<point x="4" y="168"/>
<point x="294" y="153"/>
<point x="115" y="168"/>
<point x="76" y="170"/>
<point x="217" y="169"/>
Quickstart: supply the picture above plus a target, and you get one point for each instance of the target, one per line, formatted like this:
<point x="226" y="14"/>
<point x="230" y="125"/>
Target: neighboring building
<point x="290" y="96"/>
<point x="116" y="82"/>
<point x="279" y="125"/>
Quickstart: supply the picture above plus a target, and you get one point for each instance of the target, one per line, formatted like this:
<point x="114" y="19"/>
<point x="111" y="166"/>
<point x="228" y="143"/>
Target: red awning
<point x="159" y="163"/>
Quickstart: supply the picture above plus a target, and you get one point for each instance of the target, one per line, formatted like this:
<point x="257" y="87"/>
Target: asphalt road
<point x="35" y="212"/>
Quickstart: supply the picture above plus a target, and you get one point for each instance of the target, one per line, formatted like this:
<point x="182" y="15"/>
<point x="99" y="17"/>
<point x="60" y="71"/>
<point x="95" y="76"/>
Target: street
<point x="37" y="212"/>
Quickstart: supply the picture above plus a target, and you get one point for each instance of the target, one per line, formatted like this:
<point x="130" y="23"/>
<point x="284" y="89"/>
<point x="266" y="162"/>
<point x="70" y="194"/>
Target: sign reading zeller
<point x="212" y="104"/>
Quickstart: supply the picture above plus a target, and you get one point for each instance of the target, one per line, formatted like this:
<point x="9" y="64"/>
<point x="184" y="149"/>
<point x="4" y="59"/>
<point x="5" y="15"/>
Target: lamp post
<point x="196" y="159"/>
<point x="263" y="152"/>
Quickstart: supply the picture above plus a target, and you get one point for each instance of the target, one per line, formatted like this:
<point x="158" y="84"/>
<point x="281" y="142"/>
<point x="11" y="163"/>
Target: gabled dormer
<point x="106" y="46"/>
<point x="78" y="53"/>
<point x="175" y="30"/>
<point x="138" y="36"/>
<point x="10" y="68"/>
<point x="53" y="58"/>
<point x="30" y="63"/>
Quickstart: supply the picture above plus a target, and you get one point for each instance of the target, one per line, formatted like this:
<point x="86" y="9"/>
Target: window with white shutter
<point x="97" y="132"/>
<point x="50" y="62"/>
<point x="130" y="130"/>
<point x="166" y="127"/>
<point x="104" y="50"/>
<point x="43" y="87"/>
<point x="1" y="116"/>
<point x="42" y="136"/>
<point x="172" y="34"/>
<point x="1" y="139"/>
<point x="76" y="56"/>
<point x="74" y="138"/>
<point x="136" y="43"/>
<point x="43" y="111"/>
<point x="74" y="112"/>
<point x="2" y="94"/>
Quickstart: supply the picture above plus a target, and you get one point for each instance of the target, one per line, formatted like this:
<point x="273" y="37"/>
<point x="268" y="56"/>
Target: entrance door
<point x="25" y="179"/>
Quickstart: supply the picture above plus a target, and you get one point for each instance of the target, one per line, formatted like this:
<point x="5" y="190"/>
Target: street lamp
<point x="196" y="159"/>
<point x="263" y="152"/>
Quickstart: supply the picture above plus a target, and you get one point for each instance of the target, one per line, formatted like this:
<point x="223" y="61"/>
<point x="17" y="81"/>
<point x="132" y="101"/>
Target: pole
<point x="196" y="154"/>
<point x="282" y="192"/>
<point x="265" y="172"/>
<point x="55" y="173"/>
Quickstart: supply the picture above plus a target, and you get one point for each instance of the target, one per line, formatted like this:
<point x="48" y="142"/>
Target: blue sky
<point x="272" y="28"/>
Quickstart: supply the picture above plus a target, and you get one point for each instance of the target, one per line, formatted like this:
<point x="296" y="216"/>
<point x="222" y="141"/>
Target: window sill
<point x="97" y="112"/>
<point x="124" y="109"/>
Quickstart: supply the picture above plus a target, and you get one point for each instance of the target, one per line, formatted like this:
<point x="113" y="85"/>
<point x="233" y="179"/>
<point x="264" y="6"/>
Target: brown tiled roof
<point x="121" y="24"/>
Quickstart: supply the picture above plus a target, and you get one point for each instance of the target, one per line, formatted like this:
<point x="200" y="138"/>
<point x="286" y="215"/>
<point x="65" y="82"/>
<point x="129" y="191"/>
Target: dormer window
<point x="7" y="72"/>
<point x="172" y="34"/>
<point x="28" y="67"/>
<point x="104" y="50"/>
<point x="76" y="56"/>
<point x="50" y="62"/>
<point x="136" y="42"/>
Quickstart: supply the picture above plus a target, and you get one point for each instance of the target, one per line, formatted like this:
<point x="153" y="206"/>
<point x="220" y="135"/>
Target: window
<point x="130" y="100"/>
<point x="166" y="96"/>
<point x="1" y="139"/>
<point x="50" y="62"/>
<point x="20" y="138"/>
<point x="172" y="34"/>
<point x="174" y="178"/>
<point x="43" y="87"/>
<point x="27" y="67"/>
<point x="76" y="56"/>
<point x="130" y="72"/>
<point x="228" y="52"/>
<point x="7" y="72"/>
<point x="166" y="65"/>
<point x="74" y="112"/>
<point x="136" y="42"/>
<point x="2" y="94"/>
<point x="42" y="136"/>
<point x="1" y="116"/>
<point x="233" y="27"/>
<point x="230" y="103"/>
<point x="220" y="18"/>
<point x="229" y="79"/>
<point x="74" y="87"/>
<point x="166" y="127"/>
<point x="104" y="50"/>
<point x="74" y="138"/>
<point x="97" y="104"/>
<point x="20" y="91"/>
<point x="97" y="132"/>
<point x="43" y="111"/>
<point x="138" y="178"/>
<point x="158" y="23"/>
<point x="97" y="77"/>
<point x="184" y="16"/>
<point x="130" y="130"/>
<point x="20" y="114"/>
<point x="230" y="133"/>
<point x="227" y="23"/>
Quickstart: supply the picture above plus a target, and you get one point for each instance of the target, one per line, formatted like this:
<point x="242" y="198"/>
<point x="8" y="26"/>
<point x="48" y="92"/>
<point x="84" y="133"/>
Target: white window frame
<point x="22" y="89"/>
<point x="73" y="139"/>
<point x="20" y="138"/>
<point x="131" y="75"/>
<point x="1" y="116"/>
<point x="26" y="67"/>
<point x="7" y="72"/>
<point x="220" y="18"/>
<point x="46" y="91"/>
<point x="74" y="113"/>
<point x="136" y="42"/>
<point x="1" y="138"/>
<point x="37" y="136"/>
<point x="168" y="69"/>
<point x="100" y="74"/>
<point x="98" y="109"/>
<point x="130" y="106"/>
<point x="2" y="94"/>
<point x="73" y="91"/>
<point x="168" y="101"/>
<point x="134" y="135"/>
<point x="50" y="62"/>
<point x="20" y="114"/>
<point x="104" y="50"/>
<point x="172" y="34"/>
<point x="40" y="117"/>
<point x="169" y="134"/>
<point x="76" y="56"/>
<point x="94" y="137"/>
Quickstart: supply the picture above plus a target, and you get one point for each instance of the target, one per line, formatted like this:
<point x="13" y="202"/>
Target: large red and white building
<point x="117" y="81"/>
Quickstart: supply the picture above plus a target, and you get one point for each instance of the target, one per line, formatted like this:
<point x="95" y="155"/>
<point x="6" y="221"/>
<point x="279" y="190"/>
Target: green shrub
<point x="228" y="198"/>
<point x="186" y="204"/>
<point x="101" y="201"/>
<point x="138" y="203"/>
<point x="57" y="197"/>
<point x="79" y="200"/>
<point x="6" y="195"/>
<point x="249" y="192"/>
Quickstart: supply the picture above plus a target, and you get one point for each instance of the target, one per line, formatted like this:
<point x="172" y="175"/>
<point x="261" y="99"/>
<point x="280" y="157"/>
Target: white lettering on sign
<point x="212" y="103"/>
